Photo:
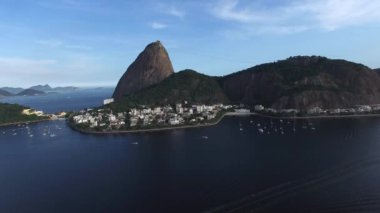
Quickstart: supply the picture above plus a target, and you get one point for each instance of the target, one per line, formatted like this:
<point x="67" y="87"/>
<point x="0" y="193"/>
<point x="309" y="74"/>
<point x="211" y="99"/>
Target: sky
<point x="92" y="42"/>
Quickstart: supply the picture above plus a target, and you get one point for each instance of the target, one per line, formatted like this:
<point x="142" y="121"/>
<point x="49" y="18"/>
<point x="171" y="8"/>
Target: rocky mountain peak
<point x="151" y="67"/>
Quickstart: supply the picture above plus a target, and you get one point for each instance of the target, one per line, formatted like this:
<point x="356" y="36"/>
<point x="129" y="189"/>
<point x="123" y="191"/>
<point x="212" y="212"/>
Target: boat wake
<point x="268" y="199"/>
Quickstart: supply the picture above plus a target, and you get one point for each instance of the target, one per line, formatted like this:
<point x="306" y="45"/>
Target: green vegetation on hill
<point x="295" y="69"/>
<point x="12" y="113"/>
<point x="303" y="82"/>
<point x="186" y="85"/>
<point x="299" y="82"/>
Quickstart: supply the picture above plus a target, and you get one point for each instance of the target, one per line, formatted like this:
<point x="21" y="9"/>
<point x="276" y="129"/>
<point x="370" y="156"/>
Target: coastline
<point x="163" y="128"/>
<point x="217" y="122"/>
<point x="318" y="116"/>
<point x="23" y="122"/>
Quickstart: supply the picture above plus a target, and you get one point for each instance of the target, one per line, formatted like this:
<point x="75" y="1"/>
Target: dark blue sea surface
<point x="322" y="165"/>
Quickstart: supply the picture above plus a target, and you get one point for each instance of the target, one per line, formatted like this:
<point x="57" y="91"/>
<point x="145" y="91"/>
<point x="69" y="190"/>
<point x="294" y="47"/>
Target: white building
<point x="133" y="122"/>
<point x="200" y="108"/>
<point x="157" y="110"/>
<point x="108" y="101"/>
<point x="315" y="110"/>
<point x="259" y="108"/>
<point x="134" y="112"/>
<point x="174" y="121"/>
<point x="365" y="108"/>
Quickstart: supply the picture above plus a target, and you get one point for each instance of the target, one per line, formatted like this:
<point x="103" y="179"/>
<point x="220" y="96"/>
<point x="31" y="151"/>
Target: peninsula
<point x="15" y="114"/>
<point x="150" y="95"/>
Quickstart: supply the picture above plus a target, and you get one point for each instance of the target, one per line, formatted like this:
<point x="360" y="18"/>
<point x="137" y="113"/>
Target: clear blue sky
<point x="91" y="43"/>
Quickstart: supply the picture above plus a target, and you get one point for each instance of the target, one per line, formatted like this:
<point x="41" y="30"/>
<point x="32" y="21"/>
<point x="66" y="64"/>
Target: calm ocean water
<point x="324" y="165"/>
<point x="68" y="101"/>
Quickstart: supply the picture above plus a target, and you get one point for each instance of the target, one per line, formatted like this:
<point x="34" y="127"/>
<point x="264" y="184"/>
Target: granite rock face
<point x="151" y="67"/>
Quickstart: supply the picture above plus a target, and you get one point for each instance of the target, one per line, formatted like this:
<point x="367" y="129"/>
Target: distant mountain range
<point x="4" y="93"/>
<point x="299" y="82"/>
<point x="30" y="92"/>
<point x="34" y="90"/>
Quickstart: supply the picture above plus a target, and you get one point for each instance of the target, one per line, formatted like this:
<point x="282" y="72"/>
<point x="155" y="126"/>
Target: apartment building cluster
<point x="143" y="116"/>
<point x="360" y="109"/>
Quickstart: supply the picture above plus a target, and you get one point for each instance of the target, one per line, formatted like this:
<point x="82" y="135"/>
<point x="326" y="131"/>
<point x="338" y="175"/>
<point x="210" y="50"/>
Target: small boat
<point x="261" y="130"/>
<point x="258" y="125"/>
<point x="241" y="129"/>
<point x="251" y="121"/>
<point x="31" y="136"/>
<point x="205" y="137"/>
<point x="52" y="135"/>
<point x="135" y="143"/>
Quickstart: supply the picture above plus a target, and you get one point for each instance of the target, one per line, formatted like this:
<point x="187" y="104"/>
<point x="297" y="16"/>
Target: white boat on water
<point x="241" y="129"/>
<point x="261" y="130"/>
<point x="135" y="143"/>
<point x="205" y="137"/>
<point x="52" y="135"/>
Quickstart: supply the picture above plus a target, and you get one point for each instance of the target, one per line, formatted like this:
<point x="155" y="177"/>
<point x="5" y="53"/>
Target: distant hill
<point x="4" y="93"/>
<point x="187" y="85"/>
<point x="43" y="88"/>
<point x="65" y="89"/>
<point x="304" y="82"/>
<point x="48" y="88"/>
<point x="13" y="90"/>
<point x="10" y="113"/>
<point x="30" y="92"/>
